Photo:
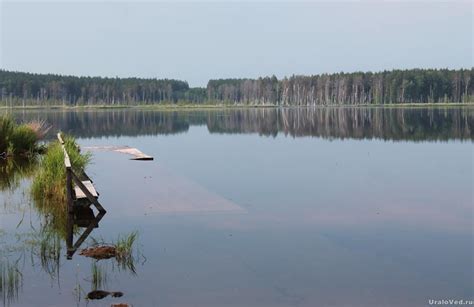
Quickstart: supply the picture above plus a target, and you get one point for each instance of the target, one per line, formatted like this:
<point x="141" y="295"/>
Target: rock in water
<point x="99" y="252"/>
<point x="97" y="295"/>
<point x="100" y="294"/>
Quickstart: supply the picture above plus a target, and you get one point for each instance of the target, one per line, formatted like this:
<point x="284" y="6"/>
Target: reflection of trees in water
<point x="358" y="123"/>
<point x="122" y="122"/>
<point x="330" y="122"/>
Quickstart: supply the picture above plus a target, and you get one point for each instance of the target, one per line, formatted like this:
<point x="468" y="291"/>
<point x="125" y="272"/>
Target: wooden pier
<point x="81" y="194"/>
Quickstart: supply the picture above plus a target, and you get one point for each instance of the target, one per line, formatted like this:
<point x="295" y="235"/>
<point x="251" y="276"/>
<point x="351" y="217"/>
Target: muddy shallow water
<point x="262" y="207"/>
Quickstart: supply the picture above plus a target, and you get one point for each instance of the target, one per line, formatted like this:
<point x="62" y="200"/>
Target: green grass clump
<point x="50" y="180"/>
<point x="23" y="140"/>
<point x="48" y="188"/>
<point x="124" y="245"/>
<point x="124" y="248"/>
<point x="7" y="126"/>
<point x="20" y="139"/>
<point x="79" y="160"/>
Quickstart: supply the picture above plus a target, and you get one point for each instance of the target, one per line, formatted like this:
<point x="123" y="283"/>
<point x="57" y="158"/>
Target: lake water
<point x="262" y="207"/>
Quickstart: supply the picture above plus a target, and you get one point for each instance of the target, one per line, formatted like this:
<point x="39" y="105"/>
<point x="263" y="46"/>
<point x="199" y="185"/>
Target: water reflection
<point x="359" y="123"/>
<point x="313" y="218"/>
<point x="35" y="242"/>
<point x="82" y="218"/>
<point x="11" y="281"/>
<point x="12" y="171"/>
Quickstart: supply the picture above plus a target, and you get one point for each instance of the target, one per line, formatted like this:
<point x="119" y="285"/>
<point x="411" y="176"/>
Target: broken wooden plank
<point x="137" y="154"/>
<point x="90" y="187"/>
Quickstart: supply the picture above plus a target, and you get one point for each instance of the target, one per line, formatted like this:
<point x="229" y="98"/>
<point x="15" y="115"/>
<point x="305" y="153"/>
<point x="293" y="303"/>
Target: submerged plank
<point x="154" y="189"/>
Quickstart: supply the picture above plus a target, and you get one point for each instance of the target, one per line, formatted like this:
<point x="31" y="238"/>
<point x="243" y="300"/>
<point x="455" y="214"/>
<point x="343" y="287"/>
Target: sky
<point x="197" y="41"/>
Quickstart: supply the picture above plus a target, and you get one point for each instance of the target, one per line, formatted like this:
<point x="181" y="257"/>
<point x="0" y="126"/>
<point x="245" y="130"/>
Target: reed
<point x="39" y="127"/>
<point x="124" y="247"/>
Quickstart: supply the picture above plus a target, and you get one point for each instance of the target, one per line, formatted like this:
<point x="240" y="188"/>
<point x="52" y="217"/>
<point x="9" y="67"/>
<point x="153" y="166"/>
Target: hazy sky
<point x="196" y="41"/>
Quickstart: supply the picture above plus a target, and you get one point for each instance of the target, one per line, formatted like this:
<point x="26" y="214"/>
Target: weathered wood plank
<point x="89" y="196"/>
<point x="60" y="138"/>
<point x="67" y="161"/>
<point x="90" y="187"/>
<point x="137" y="154"/>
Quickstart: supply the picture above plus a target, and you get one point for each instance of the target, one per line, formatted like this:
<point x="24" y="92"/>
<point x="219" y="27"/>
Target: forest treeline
<point x="48" y="89"/>
<point x="387" y="87"/>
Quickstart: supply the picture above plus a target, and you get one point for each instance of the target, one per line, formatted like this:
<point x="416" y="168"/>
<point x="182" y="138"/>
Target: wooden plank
<point x="71" y="249"/>
<point x="60" y="138"/>
<point x="90" y="187"/>
<point x="90" y="197"/>
<point x="67" y="161"/>
<point x="137" y="154"/>
<point x="85" y="234"/>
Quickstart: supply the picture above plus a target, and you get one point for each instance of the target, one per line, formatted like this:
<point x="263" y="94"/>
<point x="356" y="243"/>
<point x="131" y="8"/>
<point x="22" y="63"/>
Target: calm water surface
<point x="263" y="207"/>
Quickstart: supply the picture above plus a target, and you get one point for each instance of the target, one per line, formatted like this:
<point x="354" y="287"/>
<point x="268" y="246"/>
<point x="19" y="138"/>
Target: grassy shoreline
<point x="173" y="107"/>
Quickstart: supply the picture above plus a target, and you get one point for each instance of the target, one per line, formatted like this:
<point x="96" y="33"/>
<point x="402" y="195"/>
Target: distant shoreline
<point x="232" y="106"/>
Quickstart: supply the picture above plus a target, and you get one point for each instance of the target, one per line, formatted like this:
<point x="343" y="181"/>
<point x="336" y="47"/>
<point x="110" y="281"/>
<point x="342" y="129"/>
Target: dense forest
<point x="39" y="89"/>
<point x="397" y="86"/>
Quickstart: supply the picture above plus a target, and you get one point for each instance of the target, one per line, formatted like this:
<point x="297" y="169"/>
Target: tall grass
<point x="50" y="181"/>
<point x="48" y="188"/>
<point x="20" y="139"/>
<point x="124" y="245"/>
<point x="79" y="161"/>
<point x="6" y="128"/>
